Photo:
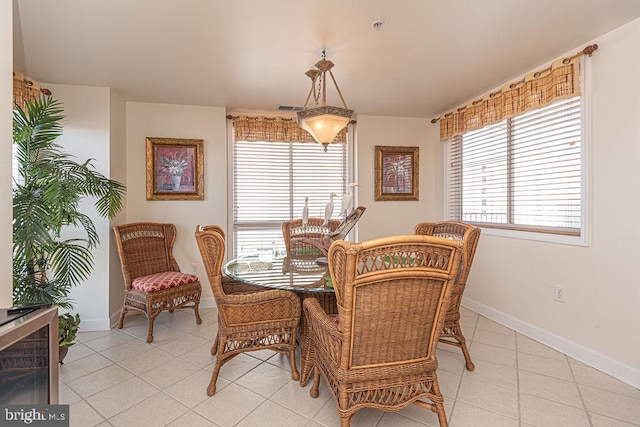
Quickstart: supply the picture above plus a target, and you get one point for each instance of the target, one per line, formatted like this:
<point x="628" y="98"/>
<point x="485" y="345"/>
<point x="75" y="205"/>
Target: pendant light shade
<point x="323" y="122"/>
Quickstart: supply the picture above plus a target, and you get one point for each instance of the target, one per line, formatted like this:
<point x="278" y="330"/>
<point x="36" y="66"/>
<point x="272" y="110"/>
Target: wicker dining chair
<point x="378" y="354"/>
<point x="293" y="230"/>
<point x="324" y="241"/>
<point x="248" y="321"/>
<point x="229" y="285"/>
<point x="469" y="235"/>
<point x="152" y="278"/>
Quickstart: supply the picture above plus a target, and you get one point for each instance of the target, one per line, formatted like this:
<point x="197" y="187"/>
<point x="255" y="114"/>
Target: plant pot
<point x="175" y="182"/>
<point x="62" y="352"/>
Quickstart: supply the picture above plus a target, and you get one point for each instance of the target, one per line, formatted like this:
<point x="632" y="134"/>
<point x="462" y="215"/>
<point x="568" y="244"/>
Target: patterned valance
<point x="25" y="89"/>
<point x="560" y="80"/>
<point x="274" y="129"/>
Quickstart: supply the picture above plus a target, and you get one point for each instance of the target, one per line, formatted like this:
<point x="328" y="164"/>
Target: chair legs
<point x="467" y="357"/>
<point x="438" y="403"/>
<point x="295" y="375"/>
<point x="197" y="312"/>
<point x="152" y="319"/>
<point x="345" y="421"/>
<point x="316" y="383"/>
<point x="219" y="346"/>
<point x="211" y="390"/>
<point x="306" y="355"/>
<point x="123" y="312"/>
<point x="454" y="331"/>
<point x="151" y="316"/>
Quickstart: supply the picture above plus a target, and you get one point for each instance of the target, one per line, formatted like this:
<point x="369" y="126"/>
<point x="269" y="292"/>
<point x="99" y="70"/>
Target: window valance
<point x="537" y="89"/>
<point x="25" y="89"/>
<point x="273" y="129"/>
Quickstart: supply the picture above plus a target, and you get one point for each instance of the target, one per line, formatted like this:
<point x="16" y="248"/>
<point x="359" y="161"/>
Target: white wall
<point x="512" y="280"/>
<point x="118" y="172"/>
<point x="398" y="217"/>
<point x="179" y="121"/>
<point x="86" y="135"/>
<point x="6" y="90"/>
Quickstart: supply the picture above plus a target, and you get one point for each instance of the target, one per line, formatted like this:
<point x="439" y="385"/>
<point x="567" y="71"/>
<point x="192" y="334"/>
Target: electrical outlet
<point x="558" y="294"/>
<point x="194" y="267"/>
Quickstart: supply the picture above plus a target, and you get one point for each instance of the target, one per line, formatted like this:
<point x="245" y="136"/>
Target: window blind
<point x="270" y="183"/>
<point x="524" y="172"/>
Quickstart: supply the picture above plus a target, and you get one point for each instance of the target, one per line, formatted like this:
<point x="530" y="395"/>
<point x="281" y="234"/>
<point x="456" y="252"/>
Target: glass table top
<point x="298" y="274"/>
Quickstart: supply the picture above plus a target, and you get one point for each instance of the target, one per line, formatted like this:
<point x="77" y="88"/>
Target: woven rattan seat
<point x="469" y="235"/>
<point x="247" y="322"/>
<point x="378" y="354"/>
<point x="146" y="251"/>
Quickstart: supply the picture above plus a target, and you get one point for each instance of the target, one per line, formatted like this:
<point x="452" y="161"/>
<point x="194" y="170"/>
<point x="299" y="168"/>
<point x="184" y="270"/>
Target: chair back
<point x="392" y="295"/>
<point x="214" y="227"/>
<point x="211" y="245"/>
<point x="145" y="248"/>
<point x="291" y="230"/>
<point x="469" y="235"/>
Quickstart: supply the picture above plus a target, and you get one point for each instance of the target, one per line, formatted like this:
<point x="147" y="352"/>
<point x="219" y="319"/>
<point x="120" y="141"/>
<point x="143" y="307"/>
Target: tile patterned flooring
<point x="114" y="378"/>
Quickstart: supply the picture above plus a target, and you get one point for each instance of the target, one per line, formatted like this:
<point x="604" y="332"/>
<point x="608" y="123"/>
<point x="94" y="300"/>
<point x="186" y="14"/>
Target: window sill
<point x="536" y="236"/>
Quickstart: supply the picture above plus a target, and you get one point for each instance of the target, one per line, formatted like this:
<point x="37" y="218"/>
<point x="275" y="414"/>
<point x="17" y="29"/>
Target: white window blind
<point x="271" y="181"/>
<point x="522" y="173"/>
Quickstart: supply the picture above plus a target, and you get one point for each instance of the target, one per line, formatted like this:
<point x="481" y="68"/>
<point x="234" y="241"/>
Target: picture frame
<point x="175" y="169"/>
<point x="396" y="173"/>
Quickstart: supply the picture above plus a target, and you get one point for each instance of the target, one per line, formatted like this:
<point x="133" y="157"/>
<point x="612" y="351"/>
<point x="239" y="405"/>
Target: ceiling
<point x="251" y="55"/>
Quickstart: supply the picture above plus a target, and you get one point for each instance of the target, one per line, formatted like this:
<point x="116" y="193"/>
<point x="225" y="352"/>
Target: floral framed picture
<point x="396" y="171"/>
<point x="175" y="169"/>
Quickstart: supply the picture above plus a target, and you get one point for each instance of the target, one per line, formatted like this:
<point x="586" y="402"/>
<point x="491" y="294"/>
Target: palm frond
<point x="49" y="190"/>
<point x="71" y="263"/>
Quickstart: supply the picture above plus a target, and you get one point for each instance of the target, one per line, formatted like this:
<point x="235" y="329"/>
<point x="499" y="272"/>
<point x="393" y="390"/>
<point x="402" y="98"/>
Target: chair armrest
<point x="230" y="286"/>
<point x="260" y="307"/>
<point x="324" y="331"/>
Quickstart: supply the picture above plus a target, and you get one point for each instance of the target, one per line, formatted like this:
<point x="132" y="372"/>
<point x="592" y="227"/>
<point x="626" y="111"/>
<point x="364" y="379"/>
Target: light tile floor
<point x="114" y="378"/>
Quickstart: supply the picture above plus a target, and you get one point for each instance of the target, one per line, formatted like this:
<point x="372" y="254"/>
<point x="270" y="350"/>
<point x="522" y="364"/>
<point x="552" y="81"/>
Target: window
<point x="523" y="173"/>
<point x="270" y="183"/>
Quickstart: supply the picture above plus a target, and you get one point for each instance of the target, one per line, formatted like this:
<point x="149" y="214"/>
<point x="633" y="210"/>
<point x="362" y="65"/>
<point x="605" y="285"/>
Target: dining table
<point x="307" y="275"/>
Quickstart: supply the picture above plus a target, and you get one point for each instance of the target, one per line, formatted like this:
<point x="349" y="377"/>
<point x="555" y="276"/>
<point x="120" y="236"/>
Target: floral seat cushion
<point x="161" y="281"/>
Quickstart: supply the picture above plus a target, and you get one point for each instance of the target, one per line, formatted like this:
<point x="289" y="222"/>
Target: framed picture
<point x="396" y="172"/>
<point x="175" y="169"/>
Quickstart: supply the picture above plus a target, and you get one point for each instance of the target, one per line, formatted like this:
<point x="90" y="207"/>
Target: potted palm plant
<point x="47" y="191"/>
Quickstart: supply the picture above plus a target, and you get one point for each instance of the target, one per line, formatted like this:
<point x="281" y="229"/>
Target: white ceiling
<point x="430" y="56"/>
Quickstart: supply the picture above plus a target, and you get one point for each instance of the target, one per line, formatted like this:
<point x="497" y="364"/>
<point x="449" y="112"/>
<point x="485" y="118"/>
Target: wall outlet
<point x="558" y="294"/>
<point x="194" y="267"/>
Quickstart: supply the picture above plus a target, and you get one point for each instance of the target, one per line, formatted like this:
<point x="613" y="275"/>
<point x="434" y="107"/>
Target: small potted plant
<point x="68" y="325"/>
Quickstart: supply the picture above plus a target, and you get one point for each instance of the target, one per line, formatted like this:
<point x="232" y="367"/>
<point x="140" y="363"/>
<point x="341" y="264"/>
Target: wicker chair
<point x="229" y="285"/>
<point x="378" y="353"/>
<point x="469" y="235"/>
<point x="152" y="279"/>
<point x="249" y="321"/>
<point x="324" y="241"/>
<point x="293" y="230"/>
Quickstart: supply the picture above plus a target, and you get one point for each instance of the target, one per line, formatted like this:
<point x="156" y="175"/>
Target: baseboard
<point x="88" y="325"/>
<point x="114" y="318"/>
<point x="599" y="361"/>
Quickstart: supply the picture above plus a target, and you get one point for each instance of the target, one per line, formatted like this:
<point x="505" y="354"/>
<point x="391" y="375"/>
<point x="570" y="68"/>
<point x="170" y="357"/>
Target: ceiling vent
<point x="289" y="108"/>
